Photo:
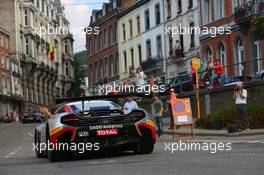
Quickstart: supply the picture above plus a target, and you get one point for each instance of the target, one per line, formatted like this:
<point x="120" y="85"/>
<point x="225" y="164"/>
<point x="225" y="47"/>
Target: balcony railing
<point x="246" y="11"/>
<point x="152" y="64"/>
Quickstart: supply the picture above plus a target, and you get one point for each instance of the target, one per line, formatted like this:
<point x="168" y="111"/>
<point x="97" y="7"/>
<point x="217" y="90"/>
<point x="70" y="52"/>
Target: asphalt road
<point x="245" y="157"/>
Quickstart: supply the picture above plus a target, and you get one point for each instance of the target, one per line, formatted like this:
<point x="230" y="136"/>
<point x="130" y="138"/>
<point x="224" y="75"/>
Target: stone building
<point x="41" y="57"/>
<point x="239" y="50"/>
<point x="181" y="15"/>
<point x="141" y="38"/>
<point x="102" y="46"/>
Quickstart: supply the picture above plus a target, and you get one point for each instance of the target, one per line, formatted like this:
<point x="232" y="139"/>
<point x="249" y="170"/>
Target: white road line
<point x="13" y="153"/>
<point x="30" y="134"/>
<point x="229" y="141"/>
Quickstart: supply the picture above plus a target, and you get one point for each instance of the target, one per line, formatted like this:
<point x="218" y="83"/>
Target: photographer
<point x="240" y="97"/>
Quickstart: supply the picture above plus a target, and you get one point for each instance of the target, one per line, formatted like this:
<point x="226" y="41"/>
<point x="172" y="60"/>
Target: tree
<point x="259" y="28"/>
<point x="80" y="71"/>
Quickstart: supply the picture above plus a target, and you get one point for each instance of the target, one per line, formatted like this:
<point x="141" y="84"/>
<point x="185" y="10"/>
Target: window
<point x="66" y="48"/>
<point x="124" y="32"/>
<point x="147" y="22"/>
<point x="101" y="69"/>
<point x="117" y="64"/>
<point x="2" y="41"/>
<point x="96" y="71"/>
<point x="125" y="60"/>
<point x="111" y="65"/>
<point x="157" y="14"/>
<point x="67" y="69"/>
<point x="148" y="46"/>
<point x="159" y="46"/>
<point x="170" y="44"/>
<point x="209" y="54"/>
<point x="26" y="17"/>
<point x="207" y="11"/>
<point x="168" y="9"/>
<point x="182" y="41"/>
<point x="27" y="46"/>
<point x="179" y="6"/>
<point x="131" y="28"/>
<point x="257" y="61"/>
<point x="222" y="54"/>
<point x="110" y="34"/>
<point x="106" y="68"/>
<point x="239" y="48"/>
<point x="132" y="57"/>
<point x="139" y="54"/>
<point x="220" y="9"/>
<point x="91" y="73"/>
<point x="138" y="25"/>
<point x="190" y="4"/>
<point x="105" y="38"/>
<point x="192" y="35"/>
<point x="237" y="3"/>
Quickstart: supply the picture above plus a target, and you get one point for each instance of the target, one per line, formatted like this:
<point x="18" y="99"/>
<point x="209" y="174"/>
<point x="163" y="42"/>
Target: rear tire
<point x="39" y="154"/>
<point x="145" y="148"/>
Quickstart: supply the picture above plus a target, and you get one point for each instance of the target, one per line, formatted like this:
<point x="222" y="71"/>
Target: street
<point x="246" y="157"/>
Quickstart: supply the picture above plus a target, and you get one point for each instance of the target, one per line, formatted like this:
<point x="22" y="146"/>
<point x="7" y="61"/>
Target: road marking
<point x="13" y="153"/>
<point x="229" y="141"/>
<point x="30" y="134"/>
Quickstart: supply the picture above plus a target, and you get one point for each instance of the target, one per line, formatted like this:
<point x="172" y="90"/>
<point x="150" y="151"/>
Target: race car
<point x="98" y="123"/>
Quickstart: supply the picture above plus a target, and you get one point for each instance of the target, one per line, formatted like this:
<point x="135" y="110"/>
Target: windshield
<point x="77" y="106"/>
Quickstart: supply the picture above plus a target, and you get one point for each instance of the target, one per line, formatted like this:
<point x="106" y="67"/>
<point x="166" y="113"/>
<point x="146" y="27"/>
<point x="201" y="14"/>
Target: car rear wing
<point x="100" y="97"/>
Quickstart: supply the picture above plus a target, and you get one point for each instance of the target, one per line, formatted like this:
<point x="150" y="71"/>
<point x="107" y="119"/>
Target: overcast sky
<point x="79" y="16"/>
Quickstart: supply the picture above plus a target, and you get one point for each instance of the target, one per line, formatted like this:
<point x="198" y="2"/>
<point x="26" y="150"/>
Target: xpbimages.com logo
<point x="76" y="147"/>
<point x="120" y="88"/>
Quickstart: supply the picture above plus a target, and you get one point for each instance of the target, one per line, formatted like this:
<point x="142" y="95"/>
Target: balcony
<point x="152" y="64"/>
<point x="247" y="11"/>
<point x="176" y="55"/>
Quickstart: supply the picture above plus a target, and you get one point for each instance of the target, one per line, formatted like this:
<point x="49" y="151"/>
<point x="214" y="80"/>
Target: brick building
<point x="6" y="99"/>
<point x="102" y="46"/>
<point x="240" y="51"/>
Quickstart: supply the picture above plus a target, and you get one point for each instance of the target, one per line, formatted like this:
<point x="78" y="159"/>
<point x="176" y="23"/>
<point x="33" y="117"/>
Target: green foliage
<point x="79" y="70"/>
<point x="259" y="27"/>
<point x="220" y="120"/>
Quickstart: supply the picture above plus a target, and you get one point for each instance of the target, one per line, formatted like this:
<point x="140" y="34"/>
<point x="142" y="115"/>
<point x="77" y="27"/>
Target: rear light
<point x="70" y="120"/>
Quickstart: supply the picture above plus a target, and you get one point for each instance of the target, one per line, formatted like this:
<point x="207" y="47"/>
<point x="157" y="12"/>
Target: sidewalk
<point x="207" y="132"/>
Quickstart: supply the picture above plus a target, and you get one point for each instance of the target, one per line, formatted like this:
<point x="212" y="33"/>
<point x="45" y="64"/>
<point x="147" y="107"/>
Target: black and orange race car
<point x="94" y="121"/>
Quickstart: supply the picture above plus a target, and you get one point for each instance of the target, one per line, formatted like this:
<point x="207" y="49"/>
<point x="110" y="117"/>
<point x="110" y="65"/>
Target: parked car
<point x="260" y="75"/>
<point x="181" y="83"/>
<point x="228" y="81"/>
<point x="36" y="117"/>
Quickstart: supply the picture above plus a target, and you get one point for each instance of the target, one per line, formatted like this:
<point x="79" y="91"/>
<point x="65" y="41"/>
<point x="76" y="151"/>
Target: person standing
<point x="171" y="98"/>
<point x="240" y="97"/>
<point x="140" y="77"/>
<point x="157" y="111"/>
<point x="219" y="72"/>
<point x="130" y="105"/>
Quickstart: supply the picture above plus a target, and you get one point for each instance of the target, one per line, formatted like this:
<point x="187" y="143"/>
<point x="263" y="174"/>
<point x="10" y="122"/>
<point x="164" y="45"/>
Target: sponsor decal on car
<point x="107" y="132"/>
<point x="96" y="127"/>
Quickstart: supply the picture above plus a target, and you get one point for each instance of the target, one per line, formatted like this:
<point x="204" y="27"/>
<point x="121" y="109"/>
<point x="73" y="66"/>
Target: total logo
<point x="106" y="132"/>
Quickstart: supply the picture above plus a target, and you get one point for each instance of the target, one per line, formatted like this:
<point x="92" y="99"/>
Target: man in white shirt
<point x="240" y="96"/>
<point x="130" y="105"/>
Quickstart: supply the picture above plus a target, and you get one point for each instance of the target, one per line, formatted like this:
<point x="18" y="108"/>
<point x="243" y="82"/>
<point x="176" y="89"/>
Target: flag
<point x="51" y="52"/>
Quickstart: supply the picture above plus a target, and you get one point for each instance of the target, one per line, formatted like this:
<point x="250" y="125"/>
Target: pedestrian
<point x="240" y="97"/>
<point x="171" y="97"/>
<point x="140" y="76"/>
<point x="157" y="111"/>
<point x="209" y="70"/>
<point x="152" y="81"/>
<point x="218" y="71"/>
<point x="130" y="105"/>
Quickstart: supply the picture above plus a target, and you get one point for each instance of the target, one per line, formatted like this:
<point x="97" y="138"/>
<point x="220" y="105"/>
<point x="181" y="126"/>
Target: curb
<point x="237" y="134"/>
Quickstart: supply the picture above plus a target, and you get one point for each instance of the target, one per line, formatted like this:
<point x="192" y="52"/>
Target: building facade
<point x="6" y="100"/>
<point x="181" y="46"/>
<point x="102" y="46"/>
<point x="41" y="59"/>
<point x="240" y="51"/>
<point x="142" y="39"/>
